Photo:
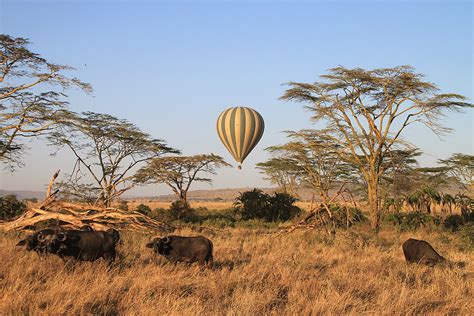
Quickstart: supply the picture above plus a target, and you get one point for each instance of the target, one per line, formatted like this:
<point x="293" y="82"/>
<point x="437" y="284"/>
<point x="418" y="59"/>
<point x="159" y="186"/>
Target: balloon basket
<point x="239" y="167"/>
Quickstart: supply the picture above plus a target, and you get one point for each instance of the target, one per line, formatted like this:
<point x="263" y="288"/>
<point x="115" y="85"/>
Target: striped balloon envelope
<point x="240" y="129"/>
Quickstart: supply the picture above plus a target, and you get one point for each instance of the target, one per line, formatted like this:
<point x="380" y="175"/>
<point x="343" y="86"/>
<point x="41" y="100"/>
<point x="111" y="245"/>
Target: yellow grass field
<point x="255" y="273"/>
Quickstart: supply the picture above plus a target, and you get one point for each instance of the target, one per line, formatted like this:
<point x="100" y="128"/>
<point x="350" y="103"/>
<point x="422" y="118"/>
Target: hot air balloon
<point x="240" y="129"/>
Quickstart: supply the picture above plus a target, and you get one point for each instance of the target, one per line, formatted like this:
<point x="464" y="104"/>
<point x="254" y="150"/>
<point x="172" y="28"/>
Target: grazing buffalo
<point x="420" y="251"/>
<point x="185" y="249"/>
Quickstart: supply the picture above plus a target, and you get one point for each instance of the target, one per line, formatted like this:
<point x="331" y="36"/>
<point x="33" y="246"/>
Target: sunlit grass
<point x="255" y="272"/>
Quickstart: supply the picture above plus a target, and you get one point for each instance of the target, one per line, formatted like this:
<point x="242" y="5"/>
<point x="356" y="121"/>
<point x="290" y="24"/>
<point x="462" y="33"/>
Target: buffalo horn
<point x="62" y="237"/>
<point x="41" y="237"/>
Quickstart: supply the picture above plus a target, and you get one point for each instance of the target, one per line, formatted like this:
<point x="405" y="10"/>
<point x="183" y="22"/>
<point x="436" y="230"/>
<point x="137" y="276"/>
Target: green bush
<point x="143" y="209"/>
<point x="180" y="210"/>
<point x="409" y="221"/>
<point x="10" y="207"/>
<point x="256" y="204"/>
<point x="252" y="204"/>
<point x="281" y="208"/>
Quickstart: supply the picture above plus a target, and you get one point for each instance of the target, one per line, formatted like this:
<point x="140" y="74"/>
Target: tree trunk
<point x="374" y="207"/>
<point x="183" y="197"/>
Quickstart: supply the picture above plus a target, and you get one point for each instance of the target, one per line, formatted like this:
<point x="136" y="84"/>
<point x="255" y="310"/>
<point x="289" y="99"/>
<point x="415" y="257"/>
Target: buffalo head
<point x="57" y="242"/>
<point x="160" y="245"/>
<point x="37" y="241"/>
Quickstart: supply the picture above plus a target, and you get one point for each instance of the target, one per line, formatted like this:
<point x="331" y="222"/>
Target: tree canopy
<point x="32" y="95"/>
<point x="107" y="149"/>
<point x="461" y="167"/>
<point x="366" y="112"/>
<point x="179" y="172"/>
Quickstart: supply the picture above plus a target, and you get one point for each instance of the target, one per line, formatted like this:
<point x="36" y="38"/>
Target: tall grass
<point x="254" y="273"/>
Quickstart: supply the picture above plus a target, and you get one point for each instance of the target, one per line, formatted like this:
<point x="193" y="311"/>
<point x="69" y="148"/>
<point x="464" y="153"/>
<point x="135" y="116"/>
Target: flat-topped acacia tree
<point x="179" y="172"/>
<point x="367" y="111"/>
<point x="108" y="150"/>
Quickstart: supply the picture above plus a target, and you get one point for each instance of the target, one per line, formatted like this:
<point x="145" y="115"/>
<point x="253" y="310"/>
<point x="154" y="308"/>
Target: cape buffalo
<point x="37" y="240"/>
<point x="79" y="244"/>
<point x="420" y="251"/>
<point x="185" y="249"/>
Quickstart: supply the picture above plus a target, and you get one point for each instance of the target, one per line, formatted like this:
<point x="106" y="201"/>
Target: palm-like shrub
<point x="256" y="204"/>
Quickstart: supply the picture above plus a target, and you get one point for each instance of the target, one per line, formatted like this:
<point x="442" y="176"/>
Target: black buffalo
<point x="185" y="249"/>
<point x="420" y="251"/>
<point x="83" y="245"/>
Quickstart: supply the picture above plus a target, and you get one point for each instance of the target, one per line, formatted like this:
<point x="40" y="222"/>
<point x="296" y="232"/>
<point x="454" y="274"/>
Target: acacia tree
<point x="32" y="95"/>
<point x="107" y="149"/>
<point x="460" y="167"/>
<point x="179" y="172"/>
<point x="312" y="158"/>
<point x="281" y="171"/>
<point x="367" y="111"/>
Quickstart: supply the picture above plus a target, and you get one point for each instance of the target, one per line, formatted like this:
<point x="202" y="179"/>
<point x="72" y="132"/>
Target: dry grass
<point x="255" y="273"/>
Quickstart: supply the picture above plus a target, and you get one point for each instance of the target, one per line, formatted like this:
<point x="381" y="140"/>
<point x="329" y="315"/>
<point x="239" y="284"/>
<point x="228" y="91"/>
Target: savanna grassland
<point x="255" y="272"/>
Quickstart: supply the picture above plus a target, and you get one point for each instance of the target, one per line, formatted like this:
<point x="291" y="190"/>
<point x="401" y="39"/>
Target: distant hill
<point x="197" y="195"/>
<point x="21" y="195"/>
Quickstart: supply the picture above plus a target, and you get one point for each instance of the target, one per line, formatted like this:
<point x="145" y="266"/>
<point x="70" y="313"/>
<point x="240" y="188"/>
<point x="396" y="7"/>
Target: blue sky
<point x="172" y="66"/>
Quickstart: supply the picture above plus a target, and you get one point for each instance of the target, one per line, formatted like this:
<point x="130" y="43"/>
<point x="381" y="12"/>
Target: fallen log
<point x="69" y="215"/>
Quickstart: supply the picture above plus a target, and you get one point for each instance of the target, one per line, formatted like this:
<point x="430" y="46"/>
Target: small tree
<point x="107" y="149"/>
<point x="367" y="111"/>
<point x="312" y="159"/>
<point x="32" y="92"/>
<point x="179" y="172"/>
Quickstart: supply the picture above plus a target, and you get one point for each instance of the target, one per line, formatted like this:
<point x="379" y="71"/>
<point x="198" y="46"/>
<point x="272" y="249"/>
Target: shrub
<point x="281" y="208"/>
<point x="143" y="209"/>
<point x="409" y="221"/>
<point x="256" y="204"/>
<point x="10" y="207"/>
<point x="180" y="210"/>
<point x="252" y="204"/>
